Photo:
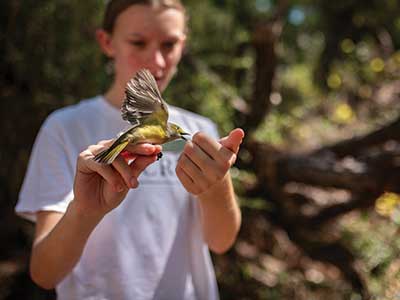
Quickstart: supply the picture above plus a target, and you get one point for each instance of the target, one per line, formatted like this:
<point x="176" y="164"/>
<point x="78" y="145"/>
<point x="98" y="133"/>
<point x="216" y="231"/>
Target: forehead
<point x="146" y="19"/>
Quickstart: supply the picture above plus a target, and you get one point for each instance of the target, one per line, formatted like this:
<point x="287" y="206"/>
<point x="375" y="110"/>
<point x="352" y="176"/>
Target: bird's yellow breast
<point x="154" y="134"/>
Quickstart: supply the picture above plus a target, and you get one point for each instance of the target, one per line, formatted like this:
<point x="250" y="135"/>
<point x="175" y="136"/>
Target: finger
<point x="194" y="172"/>
<point x="214" y="149"/>
<point x="129" y="174"/>
<point x="122" y="167"/>
<point x="96" y="149"/>
<point x="210" y="146"/>
<point x="233" y="140"/>
<point x="186" y="181"/>
<point x="112" y="178"/>
<point x="201" y="159"/>
<point x="103" y="145"/>
<point x="143" y="149"/>
<point x="86" y="165"/>
<point x="128" y="156"/>
<point x="141" y="163"/>
<point x="106" y="143"/>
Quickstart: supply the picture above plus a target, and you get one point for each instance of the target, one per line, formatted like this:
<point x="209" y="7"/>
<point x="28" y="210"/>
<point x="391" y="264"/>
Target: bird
<point x="147" y="112"/>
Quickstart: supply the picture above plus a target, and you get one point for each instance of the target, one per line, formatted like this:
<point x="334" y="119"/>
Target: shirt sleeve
<point x="49" y="178"/>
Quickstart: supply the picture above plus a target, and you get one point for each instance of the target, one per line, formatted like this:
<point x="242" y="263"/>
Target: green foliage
<point x="200" y="93"/>
<point x="377" y="243"/>
<point x="50" y="50"/>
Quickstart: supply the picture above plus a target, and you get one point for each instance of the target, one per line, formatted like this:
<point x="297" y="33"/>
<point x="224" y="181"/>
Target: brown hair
<point x="116" y="7"/>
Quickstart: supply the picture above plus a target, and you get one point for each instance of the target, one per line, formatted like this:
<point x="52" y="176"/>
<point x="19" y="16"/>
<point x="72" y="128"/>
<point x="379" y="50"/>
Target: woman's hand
<point x="99" y="188"/>
<point x="204" y="161"/>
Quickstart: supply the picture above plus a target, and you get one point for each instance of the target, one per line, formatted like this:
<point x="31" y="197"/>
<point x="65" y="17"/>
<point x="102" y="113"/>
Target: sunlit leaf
<point x="386" y="203"/>
<point x="343" y="113"/>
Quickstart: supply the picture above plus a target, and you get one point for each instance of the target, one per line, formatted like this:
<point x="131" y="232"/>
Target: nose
<point x="156" y="60"/>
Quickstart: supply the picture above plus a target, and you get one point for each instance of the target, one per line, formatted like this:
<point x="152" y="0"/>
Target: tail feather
<point x="107" y="156"/>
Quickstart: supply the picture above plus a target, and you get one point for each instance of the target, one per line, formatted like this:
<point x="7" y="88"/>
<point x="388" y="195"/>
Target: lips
<point x="160" y="81"/>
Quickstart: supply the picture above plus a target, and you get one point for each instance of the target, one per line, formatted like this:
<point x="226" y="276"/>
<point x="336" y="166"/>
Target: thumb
<point x="233" y="140"/>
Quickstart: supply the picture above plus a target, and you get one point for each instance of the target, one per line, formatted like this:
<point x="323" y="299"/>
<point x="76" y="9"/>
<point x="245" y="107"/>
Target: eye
<point x="138" y="43"/>
<point x="169" y="45"/>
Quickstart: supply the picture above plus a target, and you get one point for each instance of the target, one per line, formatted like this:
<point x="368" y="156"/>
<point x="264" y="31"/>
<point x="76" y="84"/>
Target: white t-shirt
<point x="149" y="247"/>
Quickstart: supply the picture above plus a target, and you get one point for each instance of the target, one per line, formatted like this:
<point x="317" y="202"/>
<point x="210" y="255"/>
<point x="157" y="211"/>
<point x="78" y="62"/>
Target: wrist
<point x="78" y="213"/>
<point x="220" y="187"/>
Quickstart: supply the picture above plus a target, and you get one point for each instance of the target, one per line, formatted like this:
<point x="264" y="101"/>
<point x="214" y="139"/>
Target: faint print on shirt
<point x="162" y="171"/>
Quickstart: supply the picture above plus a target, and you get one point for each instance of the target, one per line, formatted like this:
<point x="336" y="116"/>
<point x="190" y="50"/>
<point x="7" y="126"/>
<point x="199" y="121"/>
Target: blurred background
<point x="314" y="83"/>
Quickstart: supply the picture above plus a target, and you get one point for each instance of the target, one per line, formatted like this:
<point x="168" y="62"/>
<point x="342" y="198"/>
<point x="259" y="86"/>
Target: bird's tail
<point x="107" y="156"/>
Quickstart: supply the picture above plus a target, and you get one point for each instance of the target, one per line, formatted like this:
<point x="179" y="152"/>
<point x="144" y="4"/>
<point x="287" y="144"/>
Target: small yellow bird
<point x="146" y="110"/>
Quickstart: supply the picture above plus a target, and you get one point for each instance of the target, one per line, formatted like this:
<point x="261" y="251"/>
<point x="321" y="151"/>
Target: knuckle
<point x="233" y="159"/>
<point x="104" y="142"/>
<point x="199" y="137"/>
<point x="194" y="190"/>
<point x="226" y="153"/>
<point x="225" y="165"/>
<point x="183" y="161"/>
<point x="84" y="155"/>
<point x="93" y="148"/>
<point x="178" y="171"/>
<point x="189" y="149"/>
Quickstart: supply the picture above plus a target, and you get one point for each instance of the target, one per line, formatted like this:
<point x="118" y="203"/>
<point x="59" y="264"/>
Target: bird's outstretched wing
<point x="143" y="102"/>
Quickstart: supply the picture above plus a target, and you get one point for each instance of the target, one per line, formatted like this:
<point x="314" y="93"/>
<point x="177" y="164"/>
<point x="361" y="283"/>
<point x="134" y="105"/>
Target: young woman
<point x="101" y="235"/>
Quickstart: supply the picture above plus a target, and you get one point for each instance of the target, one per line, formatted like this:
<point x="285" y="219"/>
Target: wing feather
<point x="142" y="99"/>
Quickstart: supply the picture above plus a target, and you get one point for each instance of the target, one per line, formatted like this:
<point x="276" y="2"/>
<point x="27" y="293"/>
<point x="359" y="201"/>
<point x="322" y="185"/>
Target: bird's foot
<point x="159" y="155"/>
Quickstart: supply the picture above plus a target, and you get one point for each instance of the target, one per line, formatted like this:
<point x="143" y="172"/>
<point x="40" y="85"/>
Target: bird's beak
<point x="183" y="134"/>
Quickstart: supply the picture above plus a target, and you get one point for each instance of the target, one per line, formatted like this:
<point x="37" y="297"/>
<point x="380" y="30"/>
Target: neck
<point x="115" y="95"/>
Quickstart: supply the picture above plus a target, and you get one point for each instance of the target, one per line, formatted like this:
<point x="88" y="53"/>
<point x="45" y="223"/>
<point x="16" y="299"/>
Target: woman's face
<point x="146" y="37"/>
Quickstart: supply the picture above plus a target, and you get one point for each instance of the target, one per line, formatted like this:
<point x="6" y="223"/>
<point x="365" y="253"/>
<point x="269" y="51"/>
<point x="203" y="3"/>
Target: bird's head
<point x="176" y="132"/>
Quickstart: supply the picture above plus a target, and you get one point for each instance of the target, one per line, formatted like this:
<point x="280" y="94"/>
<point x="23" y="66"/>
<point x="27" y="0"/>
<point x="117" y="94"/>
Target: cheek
<point x="128" y="63"/>
<point x="175" y="56"/>
<point x="172" y="60"/>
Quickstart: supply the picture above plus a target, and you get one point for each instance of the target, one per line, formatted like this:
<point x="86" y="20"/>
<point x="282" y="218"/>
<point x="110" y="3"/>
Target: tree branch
<point x="358" y="145"/>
